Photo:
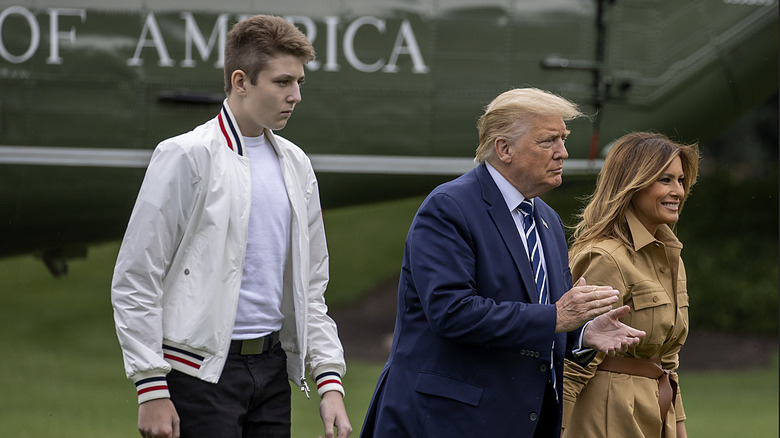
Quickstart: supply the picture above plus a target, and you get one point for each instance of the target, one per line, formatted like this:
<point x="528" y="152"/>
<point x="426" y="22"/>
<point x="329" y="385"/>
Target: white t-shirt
<point x="260" y="297"/>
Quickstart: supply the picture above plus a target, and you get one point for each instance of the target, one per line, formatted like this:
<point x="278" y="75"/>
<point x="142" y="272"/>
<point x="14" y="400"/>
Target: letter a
<point x="150" y="25"/>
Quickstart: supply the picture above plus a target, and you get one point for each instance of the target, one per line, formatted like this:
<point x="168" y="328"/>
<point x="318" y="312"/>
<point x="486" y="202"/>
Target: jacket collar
<point x="229" y="129"/>
<point x="641" y="237"/>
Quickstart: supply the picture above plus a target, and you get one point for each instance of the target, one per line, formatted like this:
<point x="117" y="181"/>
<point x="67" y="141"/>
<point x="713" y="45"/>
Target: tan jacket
<point x="651" y="280"/>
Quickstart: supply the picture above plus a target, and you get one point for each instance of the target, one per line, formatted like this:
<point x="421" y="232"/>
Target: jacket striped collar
<point x="229" y="129"/>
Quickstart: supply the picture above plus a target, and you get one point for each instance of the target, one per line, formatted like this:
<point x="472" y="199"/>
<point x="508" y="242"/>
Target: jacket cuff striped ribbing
<point x="151" y="387"/>
<point x="329" y="381"/>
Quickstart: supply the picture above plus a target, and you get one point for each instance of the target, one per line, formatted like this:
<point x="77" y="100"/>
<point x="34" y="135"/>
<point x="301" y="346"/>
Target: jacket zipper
<point x="305" y="386"/>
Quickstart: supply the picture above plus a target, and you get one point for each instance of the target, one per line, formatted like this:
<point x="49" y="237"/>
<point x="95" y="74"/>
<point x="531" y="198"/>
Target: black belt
<point x="248" y="347"/>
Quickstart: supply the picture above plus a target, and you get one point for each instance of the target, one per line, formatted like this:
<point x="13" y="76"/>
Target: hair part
<point x="509" y="116"/>
<point x="252" y="42"/>
<point x="634" y="162"/>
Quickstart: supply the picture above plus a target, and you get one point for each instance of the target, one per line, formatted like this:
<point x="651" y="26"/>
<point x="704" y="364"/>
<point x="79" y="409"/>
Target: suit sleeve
<point x="444" y="264"/>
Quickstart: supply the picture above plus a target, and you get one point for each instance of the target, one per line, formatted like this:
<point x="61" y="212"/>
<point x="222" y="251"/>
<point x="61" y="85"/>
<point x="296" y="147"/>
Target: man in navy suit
<point x="482" y="328"/>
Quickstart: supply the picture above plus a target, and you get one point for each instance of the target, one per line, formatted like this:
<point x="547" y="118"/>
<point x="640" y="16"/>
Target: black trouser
<point x="548" y="417"/>
<point x="251" y="399"/>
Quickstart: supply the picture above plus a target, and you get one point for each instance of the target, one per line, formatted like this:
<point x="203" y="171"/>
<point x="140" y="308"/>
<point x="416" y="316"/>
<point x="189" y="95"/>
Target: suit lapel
<point x="501" y="217"/>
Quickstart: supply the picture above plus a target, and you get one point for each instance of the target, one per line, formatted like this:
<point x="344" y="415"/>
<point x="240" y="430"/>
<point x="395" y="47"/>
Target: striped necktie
<point x="540" y="277"/>
<point x="532" y="238"/>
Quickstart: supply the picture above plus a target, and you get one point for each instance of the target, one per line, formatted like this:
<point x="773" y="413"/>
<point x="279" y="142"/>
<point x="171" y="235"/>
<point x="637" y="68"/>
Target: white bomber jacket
<point x="178" y="273"/>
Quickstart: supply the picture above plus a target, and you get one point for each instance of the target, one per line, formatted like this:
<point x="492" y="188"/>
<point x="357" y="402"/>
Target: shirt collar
<point x="511" y="195"/>
<point x="642" y="237"/>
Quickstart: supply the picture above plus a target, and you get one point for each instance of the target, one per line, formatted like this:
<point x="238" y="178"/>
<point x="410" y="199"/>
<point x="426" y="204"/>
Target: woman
<point x="625" y="239"/>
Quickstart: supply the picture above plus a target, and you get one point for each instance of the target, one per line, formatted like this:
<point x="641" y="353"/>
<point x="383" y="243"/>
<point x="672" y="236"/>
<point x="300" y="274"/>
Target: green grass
<point x="366" y="245"/>
<point x="359" y="383"/>
<point x="61" y="372"/>
<point x="731" y="404"/>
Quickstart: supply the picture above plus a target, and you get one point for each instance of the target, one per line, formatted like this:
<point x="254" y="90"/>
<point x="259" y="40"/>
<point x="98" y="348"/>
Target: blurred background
<point x="389" y="111"/>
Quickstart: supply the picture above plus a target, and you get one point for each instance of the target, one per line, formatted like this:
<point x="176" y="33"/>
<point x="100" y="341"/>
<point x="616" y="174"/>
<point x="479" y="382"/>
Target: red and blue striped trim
<point x="152" y="388"/>
<point x="229" y="130"/>
<point x="179" y="357"/>
<point x="329" y="381"/>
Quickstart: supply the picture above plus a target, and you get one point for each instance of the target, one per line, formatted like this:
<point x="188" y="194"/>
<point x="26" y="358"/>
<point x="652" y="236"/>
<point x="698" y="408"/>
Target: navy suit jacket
<point x="472" y="345"/>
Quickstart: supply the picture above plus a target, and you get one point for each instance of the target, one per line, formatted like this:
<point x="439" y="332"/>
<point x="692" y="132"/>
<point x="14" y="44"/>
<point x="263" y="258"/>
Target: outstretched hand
<point x="608" y="335"/>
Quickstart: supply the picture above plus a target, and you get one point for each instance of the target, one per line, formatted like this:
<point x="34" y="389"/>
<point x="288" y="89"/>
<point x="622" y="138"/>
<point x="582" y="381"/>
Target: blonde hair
<point x="255" y="40"/>
<point x="635" y="162"/>
<point x="509" y="114"/>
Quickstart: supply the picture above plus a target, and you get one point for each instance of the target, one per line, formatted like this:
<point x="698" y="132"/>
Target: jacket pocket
<point x="648" y="299"/>
<point x="448" y="387"/>
<point x="653" y="311"/>
<point x="192" y="269"/>
<point x="192" y="310"/>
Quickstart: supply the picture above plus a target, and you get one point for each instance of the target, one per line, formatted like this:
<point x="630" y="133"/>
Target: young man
<point x="218" y="287"/>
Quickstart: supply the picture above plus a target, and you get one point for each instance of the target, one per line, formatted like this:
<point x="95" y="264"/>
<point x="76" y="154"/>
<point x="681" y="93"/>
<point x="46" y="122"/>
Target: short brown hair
<point x="253" y="41"/>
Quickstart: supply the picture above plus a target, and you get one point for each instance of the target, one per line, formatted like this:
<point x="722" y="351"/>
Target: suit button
<point x="543" y="367"/>
<point x="186" y="272"/>
<point x="533" y="416"/>
<point x="663" y="269"/>
<point x="655" y="299"/>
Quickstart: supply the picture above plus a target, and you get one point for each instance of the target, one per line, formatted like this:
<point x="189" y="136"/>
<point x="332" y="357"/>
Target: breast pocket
<point x="652" y="311"/>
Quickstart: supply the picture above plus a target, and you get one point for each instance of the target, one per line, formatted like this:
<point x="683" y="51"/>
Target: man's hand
<point x="581" y="304"/>
<point x="158" y="419"/>
<point x="609" y="335"/>
<point x="334" y="414"/>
